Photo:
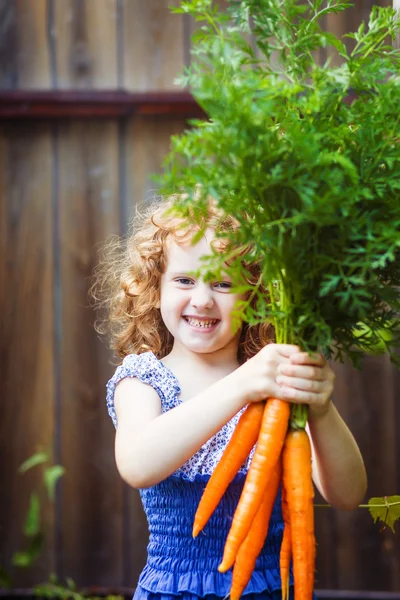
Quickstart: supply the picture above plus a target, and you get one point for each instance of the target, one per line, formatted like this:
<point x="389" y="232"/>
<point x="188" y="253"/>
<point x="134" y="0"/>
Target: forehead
<point x="186" y="256"/>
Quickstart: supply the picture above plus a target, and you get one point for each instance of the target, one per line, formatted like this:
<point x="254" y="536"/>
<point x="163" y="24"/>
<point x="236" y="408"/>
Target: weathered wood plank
<point x="26" y="337"/>
<point x="85" y="33"/>
<point x="92" y="500"/>
<point x="154" y="45"/>
<point x="8" y="45"/>
<point x="365" y="399"/>
<point x="24" y="49"/>
<point x="380" y="451"/>
<point x="148" y="141"/>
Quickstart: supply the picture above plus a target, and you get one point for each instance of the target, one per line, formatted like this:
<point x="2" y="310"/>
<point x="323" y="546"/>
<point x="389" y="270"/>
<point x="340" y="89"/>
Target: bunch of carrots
<point x="282" y="453"/>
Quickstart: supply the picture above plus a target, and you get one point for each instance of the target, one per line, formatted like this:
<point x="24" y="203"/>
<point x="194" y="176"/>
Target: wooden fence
<point x="68" y="180"/>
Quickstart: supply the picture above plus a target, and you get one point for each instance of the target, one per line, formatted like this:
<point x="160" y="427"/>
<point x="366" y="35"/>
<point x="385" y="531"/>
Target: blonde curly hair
<point x="126" y="282"/>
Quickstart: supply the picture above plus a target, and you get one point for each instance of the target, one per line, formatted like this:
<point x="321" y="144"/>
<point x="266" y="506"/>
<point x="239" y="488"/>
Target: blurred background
<point x="87" y="108"/>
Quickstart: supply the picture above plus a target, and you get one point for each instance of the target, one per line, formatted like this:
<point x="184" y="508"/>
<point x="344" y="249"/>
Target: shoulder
<point x="135" y="403"/>
<point x="148" y="370"/>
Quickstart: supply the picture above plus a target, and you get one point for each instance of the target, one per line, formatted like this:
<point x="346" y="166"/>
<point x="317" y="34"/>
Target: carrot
<point x="311" y="537"/>
<point x="251" y="547"/>
<point x="270" y="441"/>
<point x="242" y="441"/>
<point x="300" y="493"/>
<point x="286" y="548"/>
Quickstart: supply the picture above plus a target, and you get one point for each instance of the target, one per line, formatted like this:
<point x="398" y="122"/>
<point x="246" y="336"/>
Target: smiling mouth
<point x="201" y="324"/>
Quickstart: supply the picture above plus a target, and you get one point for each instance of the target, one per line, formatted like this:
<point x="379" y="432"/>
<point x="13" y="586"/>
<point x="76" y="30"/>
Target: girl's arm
<point x="150" y="445"/>
<point x="338" y="467"/>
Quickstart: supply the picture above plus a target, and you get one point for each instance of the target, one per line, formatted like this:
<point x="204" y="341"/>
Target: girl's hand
<point x="306" y="379"/>
<point x="257" y="377"/>
<point x="283" y="371"/>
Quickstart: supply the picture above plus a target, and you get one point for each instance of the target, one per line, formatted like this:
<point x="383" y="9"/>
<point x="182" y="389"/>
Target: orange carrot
<point x="243" y="439"/>
<point x="270" y="441"/>
<point x="311" y="537"/>
<point x="286" y="548"/>
<point x="300" y="493"/>
<point x="254" y="541"/>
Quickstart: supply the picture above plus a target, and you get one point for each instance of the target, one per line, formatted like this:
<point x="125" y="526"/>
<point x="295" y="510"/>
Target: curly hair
<point x="126" y="282"/>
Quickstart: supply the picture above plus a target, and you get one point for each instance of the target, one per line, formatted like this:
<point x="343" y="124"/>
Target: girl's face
<point x="198" y="314"/>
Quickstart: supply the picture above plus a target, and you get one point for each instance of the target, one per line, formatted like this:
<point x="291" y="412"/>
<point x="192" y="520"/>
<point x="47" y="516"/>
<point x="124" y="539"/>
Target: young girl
<point x="188" y="372"/>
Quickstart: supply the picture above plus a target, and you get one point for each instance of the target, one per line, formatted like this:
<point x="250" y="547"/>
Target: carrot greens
<point x="301" y="144"/>
<point x="306" y="155"/>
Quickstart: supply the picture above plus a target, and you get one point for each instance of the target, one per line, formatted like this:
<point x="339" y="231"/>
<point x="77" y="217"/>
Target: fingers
<point x="306" y="380"/>
<point x="318" y="373"/>
<point x="304" y="358"/>
<point x="296" y="376"/>
<point x="287" y="350"/>
<point x="309" y="386"/>
<point x="306" y="385"/>
<point x="304" y="397"/>
<point x="296" y="356"/>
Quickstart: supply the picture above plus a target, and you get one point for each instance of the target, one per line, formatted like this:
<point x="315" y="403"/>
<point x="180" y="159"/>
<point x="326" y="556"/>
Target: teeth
<point x="204" y="324"/>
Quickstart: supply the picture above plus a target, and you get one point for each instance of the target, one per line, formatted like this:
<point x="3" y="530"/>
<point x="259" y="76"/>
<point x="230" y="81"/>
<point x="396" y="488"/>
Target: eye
<point x="223" y="285"/>
<point x="183" y="280"/>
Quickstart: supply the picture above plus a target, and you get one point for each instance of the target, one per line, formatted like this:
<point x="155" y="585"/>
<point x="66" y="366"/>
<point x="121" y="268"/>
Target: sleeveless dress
<point x="177" y="564"/>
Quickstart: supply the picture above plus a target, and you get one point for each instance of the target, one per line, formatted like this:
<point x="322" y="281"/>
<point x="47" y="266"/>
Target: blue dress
<point x="177" y="564"/>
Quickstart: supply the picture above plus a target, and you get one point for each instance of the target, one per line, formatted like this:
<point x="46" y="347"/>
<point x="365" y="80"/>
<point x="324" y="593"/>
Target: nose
<point x="202" y="296"/>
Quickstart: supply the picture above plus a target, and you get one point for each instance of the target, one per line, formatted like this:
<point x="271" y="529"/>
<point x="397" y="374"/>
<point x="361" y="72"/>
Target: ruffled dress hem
<point x="205" y="583"/>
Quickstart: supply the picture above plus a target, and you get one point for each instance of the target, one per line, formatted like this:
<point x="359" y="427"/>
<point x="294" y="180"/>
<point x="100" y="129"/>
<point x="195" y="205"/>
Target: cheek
<point x="171" y="303"/>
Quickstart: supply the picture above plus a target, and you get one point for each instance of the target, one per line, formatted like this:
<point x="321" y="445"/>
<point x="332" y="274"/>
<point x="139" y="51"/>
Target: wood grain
<point x="153" y="45"/>
<point x="148" y="141"/>
<point x="92" y="511"/>
<point x="380" y="450"/>
<point x="85" y="34"/>
<point x="366" y="556"/>
<point x="27" y="336"/>
<point x="33" y="51"/>
<point x="8" y="45"/>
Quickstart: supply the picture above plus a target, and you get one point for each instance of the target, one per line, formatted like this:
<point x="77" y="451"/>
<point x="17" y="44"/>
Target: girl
<point x="188" y="371"/>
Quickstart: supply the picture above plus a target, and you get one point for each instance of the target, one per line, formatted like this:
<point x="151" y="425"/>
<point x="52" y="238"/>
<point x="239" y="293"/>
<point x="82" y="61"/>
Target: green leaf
<point x="32" y="522"/>
<point x="21" y="559"/>
<point x="51" y="476"/>
<point x="317" y="172"/>
<point x="329" y="284"/>
<point x="36" y="459"/>
<point x="70" y="583"/>
<point x="55" y="589"/>
<point x="27" y="558"/>
<point x="386" y="509"/>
